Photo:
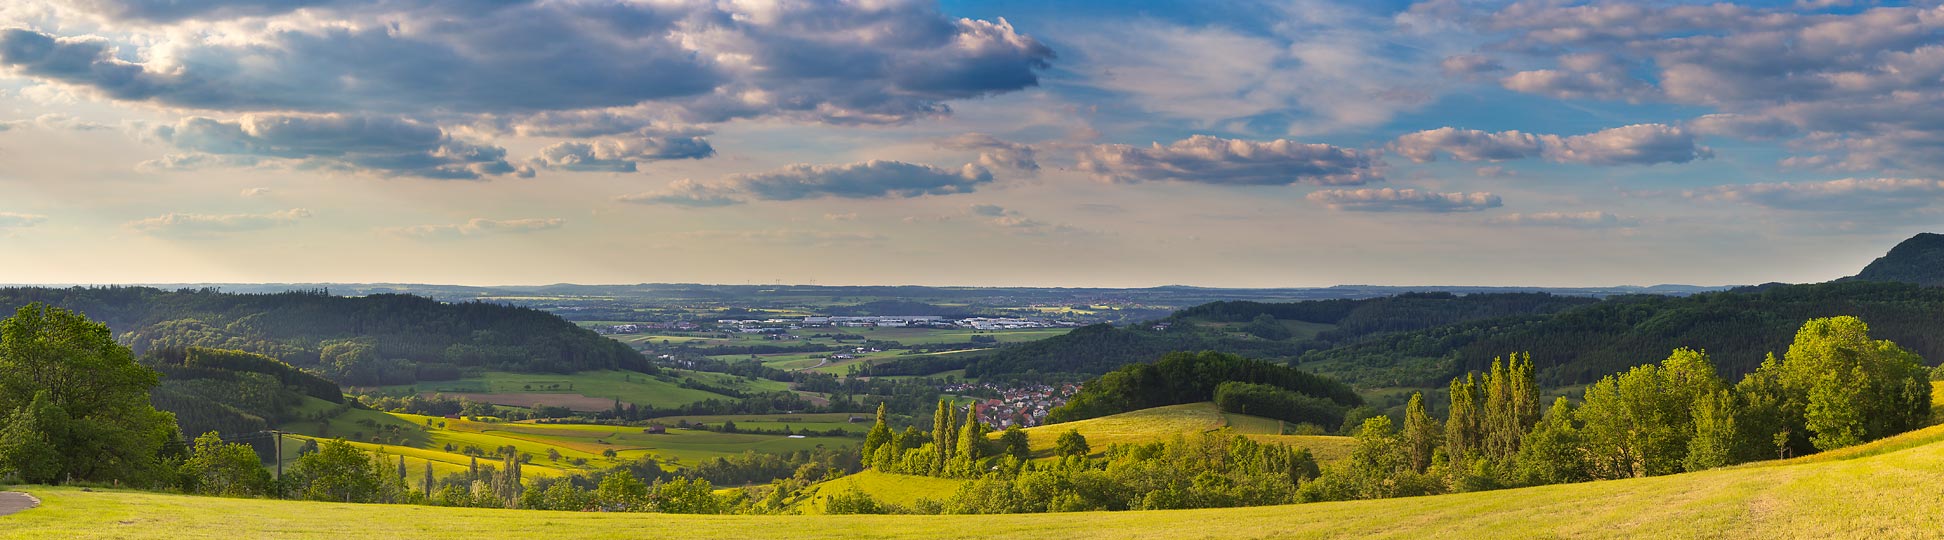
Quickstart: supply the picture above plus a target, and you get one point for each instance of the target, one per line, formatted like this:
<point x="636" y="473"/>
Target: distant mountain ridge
<point x="1919" y="260"/>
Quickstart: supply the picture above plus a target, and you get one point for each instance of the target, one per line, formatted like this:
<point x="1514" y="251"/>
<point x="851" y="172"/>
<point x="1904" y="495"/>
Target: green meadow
<point x="1161" y="423"/>
<point x="1881" y="490"/>
<point x="588" y="390"/>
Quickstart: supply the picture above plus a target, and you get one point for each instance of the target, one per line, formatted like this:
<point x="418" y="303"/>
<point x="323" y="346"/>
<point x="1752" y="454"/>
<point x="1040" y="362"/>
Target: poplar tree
<point x="943" y="423"/>
<point x="1501" y="429"/>
<point x="1421" y="433"/>
<point x="1462" y="428"/>
<point x="880" y="433"/>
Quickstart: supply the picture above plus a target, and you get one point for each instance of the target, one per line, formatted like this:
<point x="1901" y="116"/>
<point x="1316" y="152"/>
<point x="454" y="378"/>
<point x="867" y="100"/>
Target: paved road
<point x="11" y="502"/>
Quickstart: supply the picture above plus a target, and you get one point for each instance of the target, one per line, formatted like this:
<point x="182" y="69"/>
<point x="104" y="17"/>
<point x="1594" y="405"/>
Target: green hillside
<point x="1270" y="331"/>
<point x="1856" y="494"/>
<point x="1738" y="328"/>
<point x="354" y="341"/>
<point x="1919" y="260"/>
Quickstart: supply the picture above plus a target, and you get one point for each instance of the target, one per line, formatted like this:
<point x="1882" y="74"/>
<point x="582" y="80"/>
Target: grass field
<point x="1883" y="490"/>
<point x="587" y="390"/>
<point x="899" y="489"/>
<point x="1161" y="423"/>
<point x="817" y="421"/>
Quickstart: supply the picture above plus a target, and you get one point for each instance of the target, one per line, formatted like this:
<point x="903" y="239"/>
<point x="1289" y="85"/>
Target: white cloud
<point x="1215" y="160"/>
<point x="479" y="227"/>
<point x="1856" y="195"/>
<point x="1639" y="144"/>
<point x="174" y="224"/>
<point x="1577" y="220"/>
<point x="16" y="220"/>
<point x="1403" y="200"/>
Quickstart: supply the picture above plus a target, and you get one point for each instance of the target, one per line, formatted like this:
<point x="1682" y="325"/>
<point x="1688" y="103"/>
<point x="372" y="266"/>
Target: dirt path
<point x="11" y="502"/>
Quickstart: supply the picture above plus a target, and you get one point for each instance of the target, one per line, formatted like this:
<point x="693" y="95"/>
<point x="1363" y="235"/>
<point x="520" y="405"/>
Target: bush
<point x="1273" y="402"/>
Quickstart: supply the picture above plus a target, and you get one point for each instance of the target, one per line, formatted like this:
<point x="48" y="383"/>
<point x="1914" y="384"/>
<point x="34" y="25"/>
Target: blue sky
<point x="1300" y="143"/>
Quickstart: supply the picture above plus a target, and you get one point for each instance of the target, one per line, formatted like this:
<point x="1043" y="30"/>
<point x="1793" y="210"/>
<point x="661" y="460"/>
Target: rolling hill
<point x="1866" y="492"/>
<point x="1230" y="326"/>
<point x="1919" y="260"/>
<point x="353" y="341"/>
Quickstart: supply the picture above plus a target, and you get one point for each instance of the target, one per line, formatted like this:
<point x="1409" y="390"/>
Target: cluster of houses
<point x="785" y="326"/>
<point x="1023" y="406"/>
<point x="636" y="328"/>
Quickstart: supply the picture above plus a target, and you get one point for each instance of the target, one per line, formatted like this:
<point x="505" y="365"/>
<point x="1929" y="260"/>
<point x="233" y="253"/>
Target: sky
<point x="1002" y="143"/>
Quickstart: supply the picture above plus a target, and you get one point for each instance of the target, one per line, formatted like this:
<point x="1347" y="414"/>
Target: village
<point x="1024" y="406"/>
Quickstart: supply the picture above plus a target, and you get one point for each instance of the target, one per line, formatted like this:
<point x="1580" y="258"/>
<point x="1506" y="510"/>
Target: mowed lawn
<point x="1892" y="494"/>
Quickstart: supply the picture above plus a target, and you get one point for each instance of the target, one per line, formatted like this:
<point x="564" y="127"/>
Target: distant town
<point x="785" y="325"/>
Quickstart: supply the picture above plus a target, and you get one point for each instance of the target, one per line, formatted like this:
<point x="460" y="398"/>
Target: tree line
<point x="1834" y="387"/>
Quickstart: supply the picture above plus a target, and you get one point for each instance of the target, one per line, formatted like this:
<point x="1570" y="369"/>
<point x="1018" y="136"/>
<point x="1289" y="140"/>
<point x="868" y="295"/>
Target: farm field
<point x="817" y="421"/>
<point x="1865" y="493"/>
<point x="587" y="390"/>
<point x="905" y="336"/>
<point x="580" y="446"/>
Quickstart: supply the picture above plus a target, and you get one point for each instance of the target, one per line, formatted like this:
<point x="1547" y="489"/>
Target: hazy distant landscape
<point x="949" y="269"/>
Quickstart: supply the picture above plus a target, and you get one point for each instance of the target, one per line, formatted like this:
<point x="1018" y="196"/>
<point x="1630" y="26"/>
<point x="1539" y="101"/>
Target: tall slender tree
<point x="1421" y="433"/>
<point x="1462" y="426"/>
<point x="880" y="433"/>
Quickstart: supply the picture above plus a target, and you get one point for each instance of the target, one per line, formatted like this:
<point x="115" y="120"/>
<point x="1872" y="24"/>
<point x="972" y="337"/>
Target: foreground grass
<point x="1887" y="495"/>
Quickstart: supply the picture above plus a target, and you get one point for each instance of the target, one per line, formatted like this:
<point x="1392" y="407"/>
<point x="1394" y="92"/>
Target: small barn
<point x="655" y="430"/>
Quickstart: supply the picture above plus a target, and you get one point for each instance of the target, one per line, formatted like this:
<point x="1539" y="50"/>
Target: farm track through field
<point x="12" y="502"/>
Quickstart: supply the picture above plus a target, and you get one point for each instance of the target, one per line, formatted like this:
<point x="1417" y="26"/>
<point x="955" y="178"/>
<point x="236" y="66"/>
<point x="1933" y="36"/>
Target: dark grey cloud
<point x="1467" y="145"/>
<point x="875" y="179"/>
<point x="176" y="10"/>
<point x="1858" y="85"/>
<point x="867" y="180"/>
<point x="838" y="62"/>
<point x="621" y="155"/>
<point x="1638" y="144"/>
<point x="378" y="145"/>
<point x="1215" y="160"/>
<point x="1404" y="200"/>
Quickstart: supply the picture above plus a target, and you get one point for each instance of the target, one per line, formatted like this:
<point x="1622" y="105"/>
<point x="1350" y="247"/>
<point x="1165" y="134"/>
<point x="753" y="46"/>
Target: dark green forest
<point x="1193" y="377"/>
<point x="355" y="341"/>
<point x="1098" y="349"/>
<point x="1738" y="328"/>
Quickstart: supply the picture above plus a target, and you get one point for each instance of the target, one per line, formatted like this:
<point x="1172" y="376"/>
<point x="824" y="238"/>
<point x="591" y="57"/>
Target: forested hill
<point x="1269" y="331"/>
<point x="369" y="340"/>
<point x="1919" y="260"/>
<point x="1737" y="328"/>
